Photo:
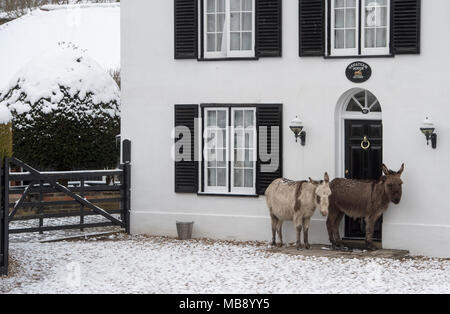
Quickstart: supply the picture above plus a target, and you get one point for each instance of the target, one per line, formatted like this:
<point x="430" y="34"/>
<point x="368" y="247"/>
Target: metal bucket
<point x="184" y="230"/>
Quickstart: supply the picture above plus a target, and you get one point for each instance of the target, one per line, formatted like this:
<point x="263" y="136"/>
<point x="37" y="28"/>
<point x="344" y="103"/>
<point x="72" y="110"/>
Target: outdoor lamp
<point x="297" y="127"/>
<point x="428" y="129"/>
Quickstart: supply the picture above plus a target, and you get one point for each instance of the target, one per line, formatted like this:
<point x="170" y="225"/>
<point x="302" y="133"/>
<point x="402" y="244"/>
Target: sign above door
<point x="358" y="72"/>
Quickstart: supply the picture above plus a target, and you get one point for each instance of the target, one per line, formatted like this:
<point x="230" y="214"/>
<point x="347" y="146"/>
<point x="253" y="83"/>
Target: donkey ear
<point x="401" y="169"/>
<point x="326" y="177"/>
<point x="311" y="180"/>
<point x="385" y="169"/>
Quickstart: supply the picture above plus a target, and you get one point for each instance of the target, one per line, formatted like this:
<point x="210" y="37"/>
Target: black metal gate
<point x="40" y="183"/>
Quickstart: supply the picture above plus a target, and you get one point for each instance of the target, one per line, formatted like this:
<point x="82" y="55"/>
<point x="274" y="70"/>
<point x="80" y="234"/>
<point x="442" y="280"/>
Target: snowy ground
<point x="58" y="234"/>
<point x="122" y="264"/>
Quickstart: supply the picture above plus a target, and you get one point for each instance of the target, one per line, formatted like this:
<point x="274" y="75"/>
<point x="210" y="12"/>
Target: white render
<point x="409" y="88"/>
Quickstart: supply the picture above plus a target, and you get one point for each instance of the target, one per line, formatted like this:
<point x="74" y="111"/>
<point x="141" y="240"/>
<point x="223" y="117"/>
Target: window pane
<point x="235" y="22"/>
<point x="221" y="177"/>
<point x="221" y="139"/>
<point x="376" y="108"/>
<point x="249" y="140"/>
<point x="339" y="40"/>
<point x="239" y="158"/>
<point x="211" y="139"/>
<point x="246" y="21"/>
<point x="219" y="43"/>
<point x="370" y="38"/>
<point x="220" y="22"/>
<point x="353" y="106"/>
<point x="211" y="22"/>
<point x="235" y="41"/>
<point x="350" y="40"/>
<point x="248" y="119"/>
<point x="350" y="19"/>
<point x="380" y="2"/>
<point x="381" y="37"/>
<point x="239" y="139"/>
<point x="246" y="41"/>
<point x="211" y="44"/>
<point x="238" y="177"/>
<point x="211" y="6"/>
<point x="382" y="16"/>
<point x="351" y="3"/>
<point x="246" y="5"/>
<point x="211" y="158"/>
<point x="339" y="21"/>
<point x="235" y="5"/>
<point x="211" y="118"/>
<point x="248" y="163"/>
<point x="339" y="3"/>
<point x="220" y="5"/>
<point x="212" y="177"/>
<point x="221" y="158"/>
<point x="248" y="178"/>
<point x="221" y="118"/>
<point x="238" y="118"/>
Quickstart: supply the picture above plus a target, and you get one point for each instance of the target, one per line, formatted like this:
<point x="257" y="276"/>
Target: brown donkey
<point x="367" y="199"/>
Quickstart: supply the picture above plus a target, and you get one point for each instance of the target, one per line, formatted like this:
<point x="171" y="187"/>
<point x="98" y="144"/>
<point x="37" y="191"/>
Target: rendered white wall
<point x="408" y="88"/>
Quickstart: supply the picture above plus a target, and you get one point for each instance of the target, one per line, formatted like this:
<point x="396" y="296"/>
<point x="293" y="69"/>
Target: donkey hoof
<point x="371" y="247"/>
<point x="307" y="246"/>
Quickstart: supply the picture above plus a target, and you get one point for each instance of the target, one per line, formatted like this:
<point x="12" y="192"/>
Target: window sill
<point x="228" y="194"/>
<point x="230" y="59"/>
<point x="360" y="56"/>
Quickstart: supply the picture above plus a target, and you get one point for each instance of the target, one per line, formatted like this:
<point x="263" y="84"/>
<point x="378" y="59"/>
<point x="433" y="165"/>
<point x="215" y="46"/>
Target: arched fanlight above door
<point x="363" y="101"/>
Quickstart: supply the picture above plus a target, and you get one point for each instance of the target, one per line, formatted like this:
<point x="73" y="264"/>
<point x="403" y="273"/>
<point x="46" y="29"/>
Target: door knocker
<point x="365" y="144"/>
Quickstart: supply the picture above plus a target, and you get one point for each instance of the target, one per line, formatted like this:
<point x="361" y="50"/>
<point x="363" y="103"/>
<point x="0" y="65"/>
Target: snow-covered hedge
<point x="65" y="112"/>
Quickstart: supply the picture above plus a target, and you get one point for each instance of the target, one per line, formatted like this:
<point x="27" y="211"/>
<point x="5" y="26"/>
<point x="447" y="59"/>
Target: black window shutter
<point x="186" y="172"/>
<point x="186" y="29"/>
<point x="312" y="27"/>
<point x="406" y="26"/>
<point x="268" y="28"/>
<point x="269" y="116"/>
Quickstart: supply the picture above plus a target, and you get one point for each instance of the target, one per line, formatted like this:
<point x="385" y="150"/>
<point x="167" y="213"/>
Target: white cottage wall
<point x="408" y="88"/>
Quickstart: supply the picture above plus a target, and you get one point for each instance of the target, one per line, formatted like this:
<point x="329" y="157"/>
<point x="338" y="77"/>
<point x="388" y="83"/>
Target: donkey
<point x="296" y="201"/>
<point x="367" y="199"/>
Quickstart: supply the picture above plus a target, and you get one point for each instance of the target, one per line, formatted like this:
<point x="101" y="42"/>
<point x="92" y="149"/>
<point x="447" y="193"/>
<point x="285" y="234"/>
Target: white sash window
<point x="230" y="150"/>
<point x="375" y="34"/>
<point x="359" y="27"/>
<point x="229" y="28"/>
<point x="345" y="31"/>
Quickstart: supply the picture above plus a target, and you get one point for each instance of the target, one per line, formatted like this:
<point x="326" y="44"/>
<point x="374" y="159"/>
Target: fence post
<point x="126" y="160"/>
<point x="127" y="195"/>
<point x="126" y="151"/>
<point x="4" y="222"/>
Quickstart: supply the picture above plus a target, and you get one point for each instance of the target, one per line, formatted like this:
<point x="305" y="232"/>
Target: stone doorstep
<point x="319" y="250"/>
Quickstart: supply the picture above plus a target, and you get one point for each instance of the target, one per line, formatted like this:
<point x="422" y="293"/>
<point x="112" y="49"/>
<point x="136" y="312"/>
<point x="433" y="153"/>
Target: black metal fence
<point x="43" y="183"/>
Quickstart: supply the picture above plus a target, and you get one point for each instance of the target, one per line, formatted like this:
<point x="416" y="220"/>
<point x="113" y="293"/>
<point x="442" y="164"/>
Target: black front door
<point x="363" y="160"/>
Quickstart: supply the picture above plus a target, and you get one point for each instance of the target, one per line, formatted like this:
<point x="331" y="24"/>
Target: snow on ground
<point x="155" y="265"/>
<point x="58" y="234"/>
<point x="95" y="28"/>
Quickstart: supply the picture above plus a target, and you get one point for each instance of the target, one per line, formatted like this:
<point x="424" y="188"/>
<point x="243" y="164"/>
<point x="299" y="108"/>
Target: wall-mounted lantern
<point x="297" y="127"/>
<point x="428" y="129"/>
